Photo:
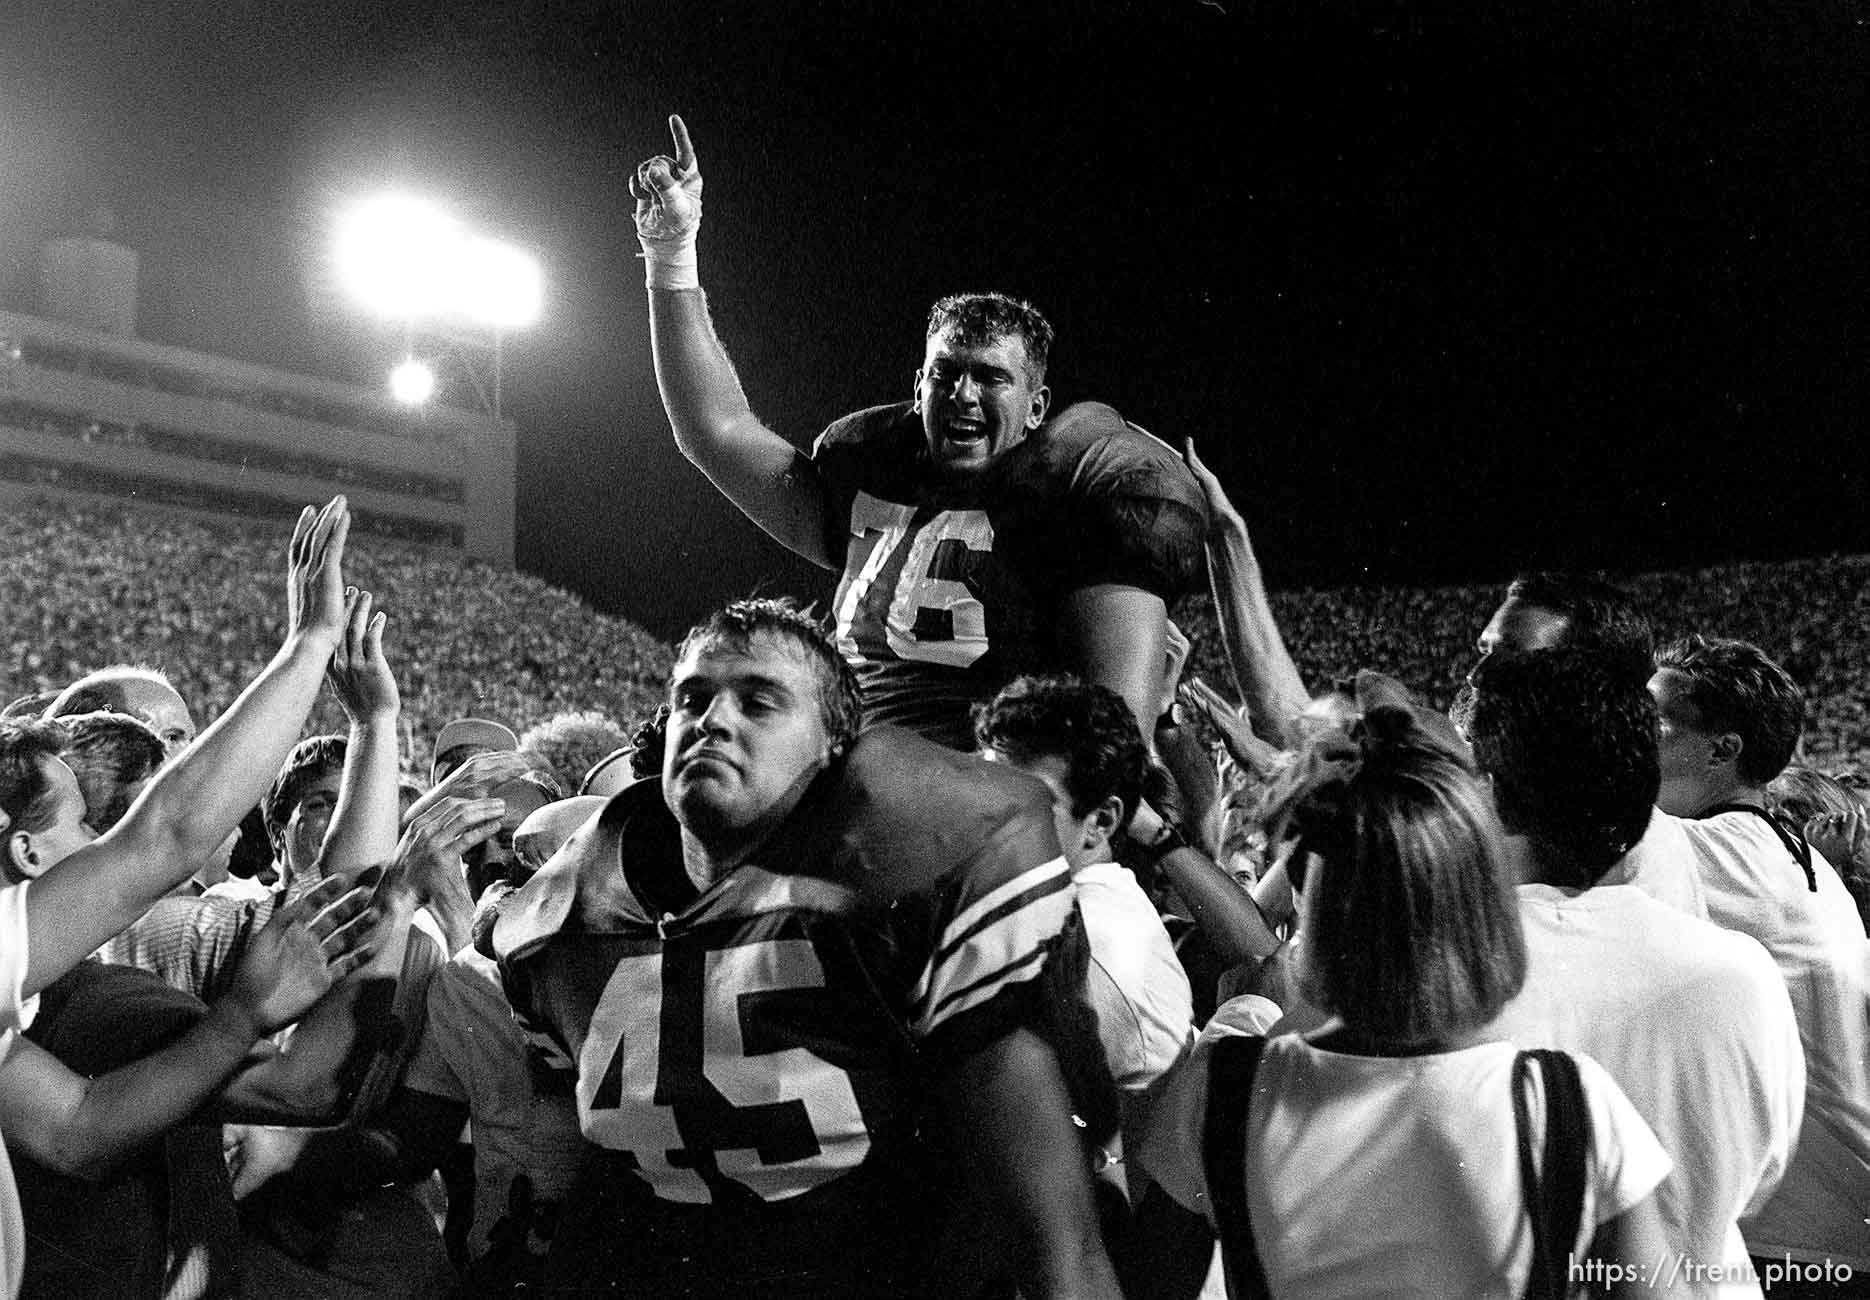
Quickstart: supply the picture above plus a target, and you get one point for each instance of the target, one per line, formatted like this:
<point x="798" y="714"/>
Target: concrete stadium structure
<point x="91" y="413"/>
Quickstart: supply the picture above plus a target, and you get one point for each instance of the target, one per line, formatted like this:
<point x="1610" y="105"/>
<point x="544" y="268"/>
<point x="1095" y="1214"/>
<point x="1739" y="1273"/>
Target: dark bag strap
<point x="1793" y="840"/>
<point x="1223" y="1159"/>
<point x="1554" y="1188"/>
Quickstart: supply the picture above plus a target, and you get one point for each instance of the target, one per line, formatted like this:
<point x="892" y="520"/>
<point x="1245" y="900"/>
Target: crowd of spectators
<point x="194" y="598"/>
<point x="146" y="586"/>
<point x="1585" y="865"/>
<point x="1811" y="615"/>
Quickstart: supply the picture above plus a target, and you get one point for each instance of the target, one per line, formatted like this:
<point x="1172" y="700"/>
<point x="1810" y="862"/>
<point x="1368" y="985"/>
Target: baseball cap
<point x="464" y="733"/>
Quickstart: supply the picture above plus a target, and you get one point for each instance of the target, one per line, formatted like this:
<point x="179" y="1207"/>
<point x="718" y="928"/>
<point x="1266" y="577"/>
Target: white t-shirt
<point x="1662" y="865"/>
<point x="1394" y="1176"/>
<point x="1753" y="885"/>
<point x="13" y="957"/>
<point x="1145" y="1009"/>
<point x="1694" y="1024"/>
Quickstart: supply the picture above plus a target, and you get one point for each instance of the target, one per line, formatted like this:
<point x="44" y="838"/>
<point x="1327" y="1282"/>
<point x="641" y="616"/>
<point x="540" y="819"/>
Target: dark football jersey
<point x="949" y="594"/>
<point x="769" y="1036"/>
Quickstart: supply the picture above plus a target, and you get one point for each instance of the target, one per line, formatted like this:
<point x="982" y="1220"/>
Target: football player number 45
<point x="667" y="1073"/>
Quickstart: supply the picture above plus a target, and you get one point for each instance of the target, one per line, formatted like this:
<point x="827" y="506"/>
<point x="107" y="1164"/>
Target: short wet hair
<point x="735" y="627"/>
<point x="979" y="318"/>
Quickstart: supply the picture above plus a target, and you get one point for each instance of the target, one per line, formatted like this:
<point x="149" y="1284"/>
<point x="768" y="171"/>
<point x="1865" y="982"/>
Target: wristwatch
<point x="1163" y="845"/>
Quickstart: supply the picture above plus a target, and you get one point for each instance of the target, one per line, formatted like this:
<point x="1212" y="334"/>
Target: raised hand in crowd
<point x="305" y="948"/>
<point x="191" y="806"/>
<point x="1247" y="749"/>
<point x="1267" y="678"/>
<point x="365" y="823"/>
<point x="82" y="1126"/>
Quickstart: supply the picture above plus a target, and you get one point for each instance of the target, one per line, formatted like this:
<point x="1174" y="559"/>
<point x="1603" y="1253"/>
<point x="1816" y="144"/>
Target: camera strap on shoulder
<point x="1793" y="840"/>
<point x="1223" y="1158"/>
<point x="1553" y="1188"/>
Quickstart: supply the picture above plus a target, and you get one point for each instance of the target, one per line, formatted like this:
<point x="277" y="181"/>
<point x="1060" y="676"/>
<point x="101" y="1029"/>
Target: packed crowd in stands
<point x="145" y="586"/>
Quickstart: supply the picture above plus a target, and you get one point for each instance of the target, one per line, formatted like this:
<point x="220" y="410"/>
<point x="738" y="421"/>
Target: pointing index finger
<point x="685" y="161"/>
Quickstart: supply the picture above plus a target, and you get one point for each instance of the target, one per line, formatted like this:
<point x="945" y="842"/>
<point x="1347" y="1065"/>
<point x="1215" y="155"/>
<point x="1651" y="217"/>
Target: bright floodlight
<point x="395" y="256"/>
<point x="500" y="285"/>
<point x="412" y="382"/>
<point x="407" y="259"/>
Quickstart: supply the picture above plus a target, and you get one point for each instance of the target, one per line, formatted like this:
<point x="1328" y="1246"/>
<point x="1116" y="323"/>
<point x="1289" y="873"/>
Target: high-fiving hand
<point x="307" y="946"/>
<point x="315" y="602"/>
<point x="360" y="676"/>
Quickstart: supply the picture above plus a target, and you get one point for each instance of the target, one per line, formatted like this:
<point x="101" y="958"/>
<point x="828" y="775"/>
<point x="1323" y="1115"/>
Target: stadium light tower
<point x="405" y="259"/>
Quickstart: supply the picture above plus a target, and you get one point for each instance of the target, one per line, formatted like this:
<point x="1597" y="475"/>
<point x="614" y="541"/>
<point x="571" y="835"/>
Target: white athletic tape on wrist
<point x="670" y="263"/>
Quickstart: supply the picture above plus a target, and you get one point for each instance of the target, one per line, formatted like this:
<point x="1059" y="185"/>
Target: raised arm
<point x="367" y="820"/>
<point x="83" y="1126"/>
<point x="1268" y="680"/>
<point x="191" y="805"/>
<point x="774" y="483"/>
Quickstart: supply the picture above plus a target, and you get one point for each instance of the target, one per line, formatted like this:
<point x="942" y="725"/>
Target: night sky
<point x="1442" y="290"/>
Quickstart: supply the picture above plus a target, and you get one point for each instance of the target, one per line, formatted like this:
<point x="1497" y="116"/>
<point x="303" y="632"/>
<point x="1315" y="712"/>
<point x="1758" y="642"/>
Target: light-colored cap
<point x="486" y="737"/>
<point x="545" y="831"/>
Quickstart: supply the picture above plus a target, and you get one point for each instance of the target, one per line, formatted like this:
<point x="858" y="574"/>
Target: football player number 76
<point x="670" y="1073"/>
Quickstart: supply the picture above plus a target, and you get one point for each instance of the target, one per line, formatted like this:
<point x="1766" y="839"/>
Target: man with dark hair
<point x="979" y="536"/>
<point x="1691" y="1020"/>
<point x="1079" y="740"/>
<point x="1545" y="609"/>
<point x="298" y="806"/>
<point x="763" y="967"/>
<point x="1549" y="610"/>
<point x="1730" y="721"/>
<point x="144" y="693"/>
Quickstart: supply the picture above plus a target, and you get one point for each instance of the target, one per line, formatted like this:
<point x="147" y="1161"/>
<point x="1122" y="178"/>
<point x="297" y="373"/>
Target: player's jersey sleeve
<point x="967" y="858"/>
<point x="1119" y="506"/>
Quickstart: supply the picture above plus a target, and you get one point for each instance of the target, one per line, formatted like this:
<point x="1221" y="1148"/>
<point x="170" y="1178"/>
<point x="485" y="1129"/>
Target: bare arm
<point x="1264" y="672"/>
<point x="1223" y="911"/>
<point x="1635" y="1241"/>
<point x="305" y="1082"/>
<point x="771" y="481"/>
<point x="190" y="806"/>
<point x="1006" y="1113"/>
<point x="83" y="1126"/>
<point x="367" y="820"/>
<point x="1116" y="637"/>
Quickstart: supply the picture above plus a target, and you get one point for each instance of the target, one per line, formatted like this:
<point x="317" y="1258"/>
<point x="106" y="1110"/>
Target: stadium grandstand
<point x="88" y="413"/>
